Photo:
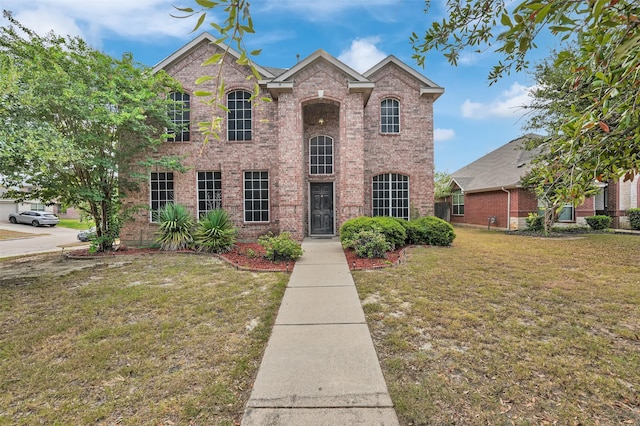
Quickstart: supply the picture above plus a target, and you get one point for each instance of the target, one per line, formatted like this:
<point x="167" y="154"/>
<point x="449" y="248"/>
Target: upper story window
<point x="321" y="155"/>
<point x="390" y="116"/>
<point x="458" y="203"/>
<point x="390" y="196"/>
<point x="180" y="116"/>
<point x="239" y="116"/>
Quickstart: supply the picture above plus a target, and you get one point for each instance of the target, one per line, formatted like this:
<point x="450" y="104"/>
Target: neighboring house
<point x="8" y="205"/>
<point x="332" y="145"/>
<point x="488" y="192"/>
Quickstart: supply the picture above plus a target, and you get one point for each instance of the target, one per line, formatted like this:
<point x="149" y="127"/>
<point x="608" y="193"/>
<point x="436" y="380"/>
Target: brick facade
<point x="318" y="97"/>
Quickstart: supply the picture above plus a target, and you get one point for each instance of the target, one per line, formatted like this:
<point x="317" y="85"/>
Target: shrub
<point x="281" y="247"/>
<point x="634" y="218"/>
<point x="412" y="229"/>
<point x="599" y="222"/>
<point x="392" y="229"/>
<point x="433" y="231"/>
<point x="215" y="232"/>
<point x="535" y="222"/>
<point x="351" y="227"/>
<point x="175" y="227"/>
<point x="370" y="243"/>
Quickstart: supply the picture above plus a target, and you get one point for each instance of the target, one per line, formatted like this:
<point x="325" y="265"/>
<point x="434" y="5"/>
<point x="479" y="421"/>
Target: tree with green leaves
<point x="594" y="112"/>
<point x="441" y="184"/>
<point x="77" y="125"/>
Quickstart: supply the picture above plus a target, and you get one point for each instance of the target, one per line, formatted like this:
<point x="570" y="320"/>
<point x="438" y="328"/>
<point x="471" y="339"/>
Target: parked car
<point x="87" y="234"/>
<point x="34" y="218"/>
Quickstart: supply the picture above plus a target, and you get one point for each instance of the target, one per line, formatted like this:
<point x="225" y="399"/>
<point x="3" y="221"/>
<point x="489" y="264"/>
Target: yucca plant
<point x="176" y="224"/>
<point x="215" y="232"/>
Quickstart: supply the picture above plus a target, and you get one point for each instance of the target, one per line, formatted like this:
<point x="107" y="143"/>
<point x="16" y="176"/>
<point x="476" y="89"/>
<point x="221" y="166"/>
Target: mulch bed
<point x="250" y="256"/>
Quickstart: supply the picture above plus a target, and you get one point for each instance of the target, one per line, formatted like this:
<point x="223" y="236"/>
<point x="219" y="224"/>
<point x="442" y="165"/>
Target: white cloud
<point x="441" y="135"/>
<point x="362" y="54"/>
<point x="94" y="20"/>
<point x="508" y="104"/>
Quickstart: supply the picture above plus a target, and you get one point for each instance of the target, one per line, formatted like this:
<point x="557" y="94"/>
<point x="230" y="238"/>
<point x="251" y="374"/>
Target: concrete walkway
<point x="320" y="366"/>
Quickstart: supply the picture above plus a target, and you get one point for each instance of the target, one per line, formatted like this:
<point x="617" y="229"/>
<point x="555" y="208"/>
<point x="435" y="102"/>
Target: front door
<point x="321" y="208"/>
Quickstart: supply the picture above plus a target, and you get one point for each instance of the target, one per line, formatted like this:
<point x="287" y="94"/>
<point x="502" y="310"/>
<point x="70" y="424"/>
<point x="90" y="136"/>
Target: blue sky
<point x="471" y="118"/>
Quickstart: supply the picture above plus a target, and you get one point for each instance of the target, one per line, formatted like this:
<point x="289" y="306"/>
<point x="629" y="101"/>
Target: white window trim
<point x="399" y="117"/>
<point x="389" y="210"/>
<point x="244" y="199"/>
<point x="333" y="152"/>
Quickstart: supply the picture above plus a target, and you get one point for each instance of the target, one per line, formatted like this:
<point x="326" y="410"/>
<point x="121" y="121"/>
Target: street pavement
<point x="42" y="239"/>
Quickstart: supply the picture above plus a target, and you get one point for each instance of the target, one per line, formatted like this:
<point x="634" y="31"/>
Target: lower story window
<point x="161" y="192"/>
<point x="567" y="214"/>
<point x="256" y="196"/>
<point x="209" y="192"/>
<point x="457" y="205"/>
<point x="38" y="207"/>
<point x="391" y="195"/>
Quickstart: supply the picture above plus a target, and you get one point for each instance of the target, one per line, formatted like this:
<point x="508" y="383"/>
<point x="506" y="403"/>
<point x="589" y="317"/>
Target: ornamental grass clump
<point x="176" y="224"/>
<point x="215" y="232"/>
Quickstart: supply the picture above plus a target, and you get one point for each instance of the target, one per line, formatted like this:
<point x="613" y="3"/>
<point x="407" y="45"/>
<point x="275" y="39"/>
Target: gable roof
<point x="427" y="86"/>
<point x="501" y="168"/>
<point x="205" y="38"/>
<point x="278" y="80"/>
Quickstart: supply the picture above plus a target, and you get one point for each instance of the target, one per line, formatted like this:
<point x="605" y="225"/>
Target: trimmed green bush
<point x="176" y="224"/>
<point x="535" y="222"/>
<point x="351" y="227"/>
<point x="280" y="247"/>
<point x="392" y="230"/>
<point x="634" y="218"/>
<point x="370" y="243"/>
<point x="390" y="227"/>
<point x="599" y="222"/>
<point x="215" y="232"/>
<point x="433" y="231"/>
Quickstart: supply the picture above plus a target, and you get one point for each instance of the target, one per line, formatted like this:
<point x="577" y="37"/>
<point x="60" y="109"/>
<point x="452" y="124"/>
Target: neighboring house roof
<point x="279" y="80"/>
<point x="502" y="168"/>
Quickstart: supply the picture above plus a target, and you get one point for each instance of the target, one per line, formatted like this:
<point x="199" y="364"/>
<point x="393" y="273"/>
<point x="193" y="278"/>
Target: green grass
<point x="75" y="224"/>
<point x="505" y="329"/>
<point x="162" y="339"/>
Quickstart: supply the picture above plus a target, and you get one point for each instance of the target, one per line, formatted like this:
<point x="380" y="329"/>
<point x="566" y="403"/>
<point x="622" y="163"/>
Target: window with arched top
<point x="390" y="195"/>
<point x="321" y="155"/>
<point x="390" y="116"/>
<point x="239" y="116"/>
<point x="180" y="116"/>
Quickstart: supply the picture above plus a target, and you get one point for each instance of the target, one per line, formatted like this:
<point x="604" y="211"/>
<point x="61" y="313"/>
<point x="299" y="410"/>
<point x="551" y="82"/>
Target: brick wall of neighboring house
<point x="479" y="206"/>
<point x="320" y="104"/>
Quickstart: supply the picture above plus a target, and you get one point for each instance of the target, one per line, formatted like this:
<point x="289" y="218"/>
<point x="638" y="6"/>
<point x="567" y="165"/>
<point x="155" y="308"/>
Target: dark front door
<point x="322" y="208"/>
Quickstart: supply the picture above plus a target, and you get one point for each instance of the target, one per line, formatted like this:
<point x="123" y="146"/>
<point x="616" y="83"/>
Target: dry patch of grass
<point x="503" y="329"/>
<point x="5" y="234"/>
<point x="166" y="339"/>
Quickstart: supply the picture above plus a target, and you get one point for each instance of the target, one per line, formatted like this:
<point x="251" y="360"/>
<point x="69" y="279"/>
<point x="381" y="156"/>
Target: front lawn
<point x="159" y="339"/>
<point x="506" y="329"/>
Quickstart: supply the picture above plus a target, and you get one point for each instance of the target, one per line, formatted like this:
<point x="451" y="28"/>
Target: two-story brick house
<point x="332" y="144"/>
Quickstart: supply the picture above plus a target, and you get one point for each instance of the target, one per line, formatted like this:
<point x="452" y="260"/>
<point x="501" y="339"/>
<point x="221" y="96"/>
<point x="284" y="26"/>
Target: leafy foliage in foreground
<point x="370" y="244"/>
